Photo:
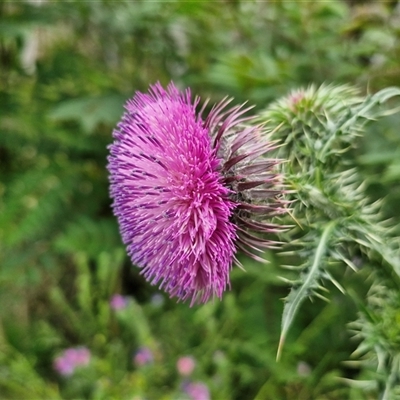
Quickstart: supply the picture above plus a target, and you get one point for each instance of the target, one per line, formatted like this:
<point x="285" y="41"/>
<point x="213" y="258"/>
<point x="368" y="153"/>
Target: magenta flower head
<point x="70" y="359"/>
<point x="197" y="391"/>
<point x="186" y="365"/>
<point x="189" y="191"/>
<point x="143" y="356"/>
<point x="118" y="302"/>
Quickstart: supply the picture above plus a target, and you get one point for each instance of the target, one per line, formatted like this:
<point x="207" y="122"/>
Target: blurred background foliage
<point x="66" y="69"/>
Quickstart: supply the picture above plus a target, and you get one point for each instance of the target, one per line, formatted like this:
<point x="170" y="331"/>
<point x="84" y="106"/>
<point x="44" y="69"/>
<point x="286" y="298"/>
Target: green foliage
<point x="65" y="71"/>
<point x="334" y="216"/>
<point x="377" y="328"/>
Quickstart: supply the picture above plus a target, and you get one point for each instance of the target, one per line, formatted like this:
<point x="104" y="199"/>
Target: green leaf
<point x="385" y="94"/>
<point x="392" y="378"/>
<point x="89" y="236"/>
<point x="309" y="282"/>
<point x="90" y="111"/>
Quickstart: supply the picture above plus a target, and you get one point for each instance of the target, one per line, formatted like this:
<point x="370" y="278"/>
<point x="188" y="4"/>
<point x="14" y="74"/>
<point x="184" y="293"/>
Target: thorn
<point x="286" y="280"/>
<point x="295" y="220"/>
<point x="320" y="296"/>
<point x="280" y="347"/>
<point x="290" y="267"/>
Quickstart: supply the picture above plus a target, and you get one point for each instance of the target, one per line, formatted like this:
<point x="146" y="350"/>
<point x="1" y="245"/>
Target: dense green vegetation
<point x="66" y="69"/>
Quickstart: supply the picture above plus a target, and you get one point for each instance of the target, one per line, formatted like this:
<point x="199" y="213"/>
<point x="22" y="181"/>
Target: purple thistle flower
<point x="197" y="391"/>
<point x="143" y="356"/>
<point x="63" y="366"/>
<point x="118" y="302"/>
<point x="71" y="358"/>
<point x="188" y="192"/>
<point x="186" y="365"/>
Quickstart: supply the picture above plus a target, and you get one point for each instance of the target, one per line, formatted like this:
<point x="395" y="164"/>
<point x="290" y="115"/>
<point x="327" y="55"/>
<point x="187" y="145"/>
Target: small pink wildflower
<point x="70" y="359"/>
<point x="197" y="391"/>
<point x="63" y="366"/>
<point x="143" y="356"/>
<point x="185" y="365"/>
<point x="118" y="302"/>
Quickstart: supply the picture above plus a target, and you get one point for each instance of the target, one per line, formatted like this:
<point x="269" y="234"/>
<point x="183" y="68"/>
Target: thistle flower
<point x="143" y="356"/>
<point x="186" y="365"/>
<point x="118" y="302"/>
<point x="188" y="191"/>
<point x="197" y="391"/>
<point x="70" y="359"/>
